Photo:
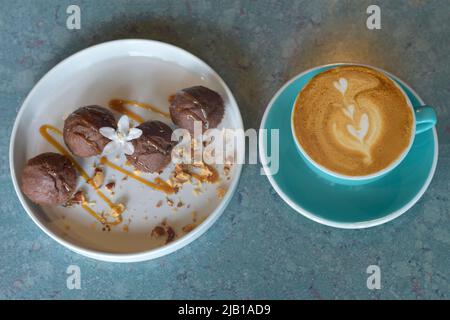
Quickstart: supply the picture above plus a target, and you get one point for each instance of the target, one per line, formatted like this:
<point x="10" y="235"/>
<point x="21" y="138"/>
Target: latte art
<point x="363" y="131"/>
<point x="353" y="120"/>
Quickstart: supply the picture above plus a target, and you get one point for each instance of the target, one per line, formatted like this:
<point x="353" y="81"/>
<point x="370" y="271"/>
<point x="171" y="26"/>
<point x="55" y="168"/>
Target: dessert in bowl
<point x="131" y="202"/>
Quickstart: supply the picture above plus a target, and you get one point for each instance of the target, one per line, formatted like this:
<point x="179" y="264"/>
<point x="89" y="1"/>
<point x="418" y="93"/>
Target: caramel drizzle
<point x="44" y="131"/>
<point x="158" y="183"/>
<point x="211" y="178"/>
<point x="119" y="106"/>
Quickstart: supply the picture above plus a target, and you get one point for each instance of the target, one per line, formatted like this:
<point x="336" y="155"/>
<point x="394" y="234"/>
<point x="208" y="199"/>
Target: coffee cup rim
<point x="341" y="176"/>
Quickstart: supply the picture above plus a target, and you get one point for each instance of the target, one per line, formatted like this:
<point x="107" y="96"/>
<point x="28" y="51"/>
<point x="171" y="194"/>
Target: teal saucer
<point x="334" y="204"/>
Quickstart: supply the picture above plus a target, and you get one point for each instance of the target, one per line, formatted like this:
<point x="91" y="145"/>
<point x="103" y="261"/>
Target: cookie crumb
<point x="170" y="234"/>
<point x="189" y="227"/>
<point x="110" y="187"/>
<point x="158" y="231"/>
<point x="169" y="202"/>
<point x="78" y="198"/>
<point x="98" y="177"/>
<point x="117" y="210"/>
<point x="220" y="192"/>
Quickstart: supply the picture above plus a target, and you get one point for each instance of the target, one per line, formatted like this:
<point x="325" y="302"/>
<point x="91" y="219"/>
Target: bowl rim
<point x="310" y="215"/>
<point x="141" y="255"/>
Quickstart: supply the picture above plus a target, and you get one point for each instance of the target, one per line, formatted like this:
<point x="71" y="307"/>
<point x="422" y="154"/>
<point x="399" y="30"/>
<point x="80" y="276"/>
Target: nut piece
<point x="78" y="198"/>
<point x="220" y="192"/>
<point x="170" y="234"/>
<point x="226" y="169"/>
<point x="110" y="186"/>
<point x="158" y="231"/>
<point x="117" y="210"/>
<point x="169" y="202"/>
<point x="98" y="177"/>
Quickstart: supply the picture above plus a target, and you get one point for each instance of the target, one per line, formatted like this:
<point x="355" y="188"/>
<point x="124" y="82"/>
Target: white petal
<point x="108" y="132"/>
<point x="123" y="125"/>
<point x="111" y="147"/>
<point x="128" y="148"/>
<point x="134" y="134"/>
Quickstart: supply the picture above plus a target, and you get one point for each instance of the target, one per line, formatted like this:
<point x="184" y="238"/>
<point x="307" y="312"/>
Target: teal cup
<point x="424" y="119"/>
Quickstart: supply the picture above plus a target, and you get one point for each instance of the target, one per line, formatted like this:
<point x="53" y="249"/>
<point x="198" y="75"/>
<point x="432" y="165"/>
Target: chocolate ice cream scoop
<point x="196" y="104"/>
<point x="81" y="130"/>
<point x="49" y="179"/>
<point x="152" y="150"/>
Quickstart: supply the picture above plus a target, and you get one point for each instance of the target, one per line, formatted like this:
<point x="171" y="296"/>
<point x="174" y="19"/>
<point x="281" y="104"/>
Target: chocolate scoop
<point x="152" y="150"/>
<point x="49" y="179"/>
<point x="196" y="104"/>
<point x="81" y="130"/>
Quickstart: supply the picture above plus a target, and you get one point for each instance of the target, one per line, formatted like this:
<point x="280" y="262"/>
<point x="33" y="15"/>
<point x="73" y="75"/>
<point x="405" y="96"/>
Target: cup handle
<point x="425" y="118"/>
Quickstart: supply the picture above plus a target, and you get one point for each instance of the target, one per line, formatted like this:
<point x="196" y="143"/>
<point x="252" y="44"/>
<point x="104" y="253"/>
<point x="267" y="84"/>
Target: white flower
<point x="120" y="138"/>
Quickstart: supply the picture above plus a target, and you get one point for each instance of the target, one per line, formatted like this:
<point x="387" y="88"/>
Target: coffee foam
<point x="353" y="120"/>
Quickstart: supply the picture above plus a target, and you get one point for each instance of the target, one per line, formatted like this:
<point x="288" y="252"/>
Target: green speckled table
<point x="259" y="248"/>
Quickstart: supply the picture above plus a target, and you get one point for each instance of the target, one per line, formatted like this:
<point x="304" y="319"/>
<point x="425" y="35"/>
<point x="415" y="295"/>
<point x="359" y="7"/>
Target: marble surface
<point x="259" y="248"/>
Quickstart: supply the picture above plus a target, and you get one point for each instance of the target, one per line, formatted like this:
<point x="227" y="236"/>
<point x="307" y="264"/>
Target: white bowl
<point x="142" y="70"/>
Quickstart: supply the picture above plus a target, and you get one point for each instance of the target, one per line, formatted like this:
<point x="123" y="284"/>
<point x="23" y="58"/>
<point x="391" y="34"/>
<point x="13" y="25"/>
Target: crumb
<point x="159" y="204"/>
<point x="169" y="202"/>
<point x="226" y="169"/>
<point x="110" y="187"/>
<point x="158" y="231"/>
<point x="125" y="228"/>
<point x="180" y="204"/>
<point x="170" y="234"/>
<point x="179" y="176"/>
<point x="117" y="210"/>
<point x="78" y="198"/>
<point x="189" y="227"/>
<point x="220" y="192"/>
<point x="125" y="178"/>
<point x="194" y="216"/>
<point x="98" y="177"/>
